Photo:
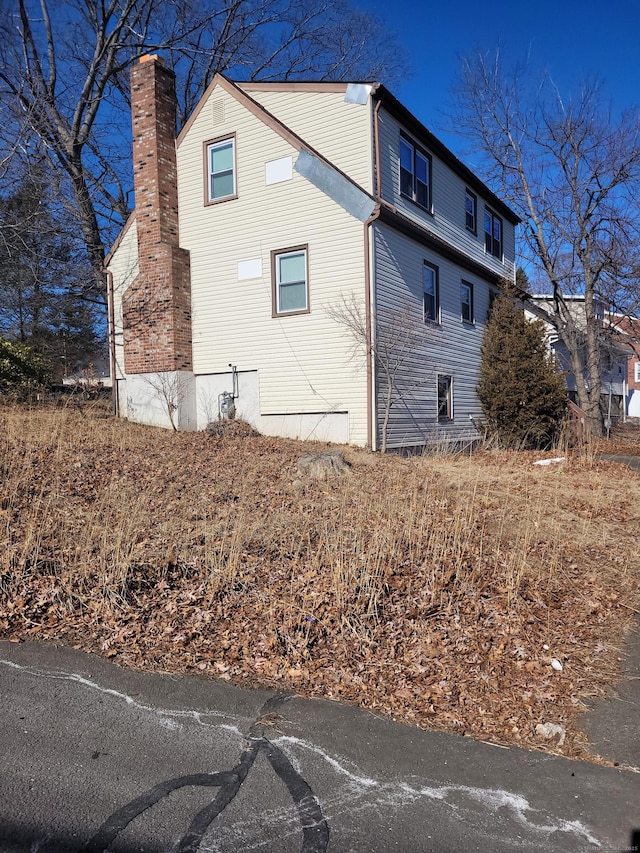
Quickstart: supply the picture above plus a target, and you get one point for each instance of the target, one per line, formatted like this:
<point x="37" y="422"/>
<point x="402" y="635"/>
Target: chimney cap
<point x="151" y="57"/>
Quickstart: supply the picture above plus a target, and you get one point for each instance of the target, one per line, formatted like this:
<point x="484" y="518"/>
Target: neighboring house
<point x="615" y="353"/>
<point x="627" y="330"/>
<point x="277" y="205"/>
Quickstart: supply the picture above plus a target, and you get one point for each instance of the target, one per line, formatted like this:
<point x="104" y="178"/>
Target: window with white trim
<point x="221" y="169"/>
<point x="430" y="296"/>
<point x="466" y="301"/>
<point x="415" y="174"/>
<point x="445" y="398"/>
<point x="492" y="233"/>
<point x="290" y="281"/>
<point x="470" y="210"/>
<point x="636" y="371"/>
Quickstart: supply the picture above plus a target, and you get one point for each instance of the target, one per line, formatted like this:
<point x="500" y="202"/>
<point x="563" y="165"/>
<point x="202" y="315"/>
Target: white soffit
<point x="280" y="170"/>
<point x="249" y="269"/>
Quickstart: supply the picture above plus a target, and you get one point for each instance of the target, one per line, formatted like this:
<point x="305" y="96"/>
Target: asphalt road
<point x="632" y="460"/>
<point x="99" y="758"/>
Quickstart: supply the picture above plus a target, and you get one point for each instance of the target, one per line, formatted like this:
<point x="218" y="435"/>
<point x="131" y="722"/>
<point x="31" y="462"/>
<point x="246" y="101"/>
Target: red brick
<point x="157" y="305"/>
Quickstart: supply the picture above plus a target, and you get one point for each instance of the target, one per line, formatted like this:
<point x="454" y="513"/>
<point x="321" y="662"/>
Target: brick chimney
<point x="157" y="305"/>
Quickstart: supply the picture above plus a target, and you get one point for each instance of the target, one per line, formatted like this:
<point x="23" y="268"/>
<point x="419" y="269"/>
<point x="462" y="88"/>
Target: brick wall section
<point x="157" y="305"/>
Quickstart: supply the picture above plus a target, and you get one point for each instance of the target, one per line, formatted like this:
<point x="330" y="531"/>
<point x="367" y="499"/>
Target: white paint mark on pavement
<point x="456" y="797"/>
<point x="168" y="717"/>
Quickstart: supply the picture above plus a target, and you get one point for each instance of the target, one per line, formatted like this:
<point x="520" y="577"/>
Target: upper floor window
<point x="221" y="169"/>
<point x="492" y="233"/>
<point x="470" y="211"/>
<point x="290" y="281"/>
<point x="636" y="368"/>
<point x="430" y="294"/>
<point x="415" y="174"/>
<point x="466" y="301"/>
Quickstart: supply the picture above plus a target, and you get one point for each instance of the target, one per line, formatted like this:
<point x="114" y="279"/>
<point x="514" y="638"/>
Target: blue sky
<point x="570" y="39"/>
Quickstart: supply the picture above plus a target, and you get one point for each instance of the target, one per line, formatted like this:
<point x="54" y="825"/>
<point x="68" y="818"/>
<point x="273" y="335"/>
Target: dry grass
<point x="436" y="590"/>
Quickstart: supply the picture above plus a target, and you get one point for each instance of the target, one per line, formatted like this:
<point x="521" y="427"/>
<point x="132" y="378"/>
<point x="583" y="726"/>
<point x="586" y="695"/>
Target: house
<point x="627" y="332"/>
<point x="615" y="352"/>
<point x="277" y="206"/>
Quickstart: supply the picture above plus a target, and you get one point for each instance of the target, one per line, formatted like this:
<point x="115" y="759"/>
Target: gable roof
<point x="240" y="90"/>
<point x="265" y="116"/>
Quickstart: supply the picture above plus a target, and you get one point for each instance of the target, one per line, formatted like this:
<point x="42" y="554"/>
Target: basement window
<point x="445" y="398"/>
<point x="220" y="169"/>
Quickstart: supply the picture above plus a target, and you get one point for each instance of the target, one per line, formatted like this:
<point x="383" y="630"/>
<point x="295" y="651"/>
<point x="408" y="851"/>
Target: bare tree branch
<point x="572" y="173"/>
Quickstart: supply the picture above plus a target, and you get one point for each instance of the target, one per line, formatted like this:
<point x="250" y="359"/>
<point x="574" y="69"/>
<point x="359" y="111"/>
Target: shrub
<point x="22" y="370"/>
<point x="522" y="393"/>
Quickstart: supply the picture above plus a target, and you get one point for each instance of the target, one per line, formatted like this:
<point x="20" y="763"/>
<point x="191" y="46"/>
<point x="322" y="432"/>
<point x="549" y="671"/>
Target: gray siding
<point x="447" y="219"/>
<point x="449" y="347"/>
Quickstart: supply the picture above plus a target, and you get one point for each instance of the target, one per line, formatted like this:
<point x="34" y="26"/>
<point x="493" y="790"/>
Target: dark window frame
<point x="470" y="319"/>
<point x="275" y="283"/>
<point x="444" y="400"/>
<point x="435" y="297"/>
<point x="414" y="191"/>
<point x="493" y="244"/>
<point x="471" y="217"/>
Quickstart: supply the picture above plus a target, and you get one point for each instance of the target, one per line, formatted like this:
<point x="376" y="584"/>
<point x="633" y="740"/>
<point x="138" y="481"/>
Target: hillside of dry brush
<point x="442" y="591"/>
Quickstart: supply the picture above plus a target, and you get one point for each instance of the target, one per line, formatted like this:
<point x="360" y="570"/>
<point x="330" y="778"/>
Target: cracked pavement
<point x="100" y="758"/>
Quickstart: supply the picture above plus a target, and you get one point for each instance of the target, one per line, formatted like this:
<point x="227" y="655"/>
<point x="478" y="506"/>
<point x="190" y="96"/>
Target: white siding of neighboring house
<point x="613" y="368"/>
<point x="451" y="347"/>
<point x="339" y="131"/>
<point x="448" y="197"/>
<point x="303" y="362"/>
<point x="123" y="265"/>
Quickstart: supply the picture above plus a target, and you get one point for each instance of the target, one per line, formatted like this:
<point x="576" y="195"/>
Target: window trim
<point x="636" y="372"/>
<point x="473" y="228"/>
<point x="275" y="254"/>
<point x="417" y="150"/>
<point x="436" y="295"/>
<point x="489" y="235"/>
<point x="470" y="320"/>
<point x="446" y="418"/>
<point x="207" y="145"/>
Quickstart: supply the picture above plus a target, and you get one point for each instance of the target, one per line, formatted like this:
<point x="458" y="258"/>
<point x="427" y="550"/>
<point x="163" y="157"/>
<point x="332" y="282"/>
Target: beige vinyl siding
<point x="123" y="265"/>
<point x="304" y="361"/>
<point x="448" y="203"/>
<point x="451" y="348"/>
<point x="340" y="132"/>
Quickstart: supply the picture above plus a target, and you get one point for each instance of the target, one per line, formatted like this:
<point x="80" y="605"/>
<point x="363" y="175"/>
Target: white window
<point x="445" y="398"/>
<point x="415" y="174"/>
<point x="636" y="372"/>
<point x="221" y="169"/>
<point x="430" y="293"/>
<point x="290" y="281"/>
<point x="466" y="301"/>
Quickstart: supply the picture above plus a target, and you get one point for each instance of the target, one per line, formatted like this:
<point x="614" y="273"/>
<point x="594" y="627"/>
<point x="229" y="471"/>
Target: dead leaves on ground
<point x="436" y="591"/>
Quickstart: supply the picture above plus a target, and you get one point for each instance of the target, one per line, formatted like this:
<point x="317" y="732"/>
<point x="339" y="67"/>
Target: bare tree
<point x="64" y="80"/>
<point x="572" y="172"/>
<point x="392" y="348"/>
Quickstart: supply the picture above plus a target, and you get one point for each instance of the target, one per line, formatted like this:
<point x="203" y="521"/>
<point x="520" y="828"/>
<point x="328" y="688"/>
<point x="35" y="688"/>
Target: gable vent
<point x="217" y="112"/>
